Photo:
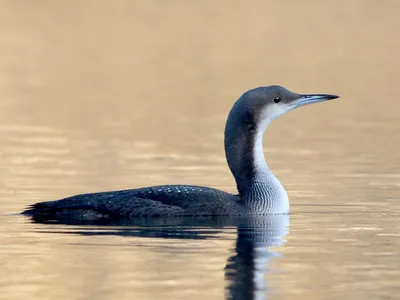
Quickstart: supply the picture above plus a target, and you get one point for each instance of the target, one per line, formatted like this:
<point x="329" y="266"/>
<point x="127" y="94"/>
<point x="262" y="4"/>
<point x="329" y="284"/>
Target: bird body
<point x="259" y="191"/>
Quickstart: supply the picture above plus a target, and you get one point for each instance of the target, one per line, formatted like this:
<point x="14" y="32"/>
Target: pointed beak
<point x="313" y="98"/>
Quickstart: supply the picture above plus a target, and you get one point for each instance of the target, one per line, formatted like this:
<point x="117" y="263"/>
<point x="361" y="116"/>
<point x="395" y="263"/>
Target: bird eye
<point x="277" y="99"/>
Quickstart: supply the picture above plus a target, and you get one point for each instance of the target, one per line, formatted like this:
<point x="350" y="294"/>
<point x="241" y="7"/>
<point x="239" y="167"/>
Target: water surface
<point x="98" y="96"/>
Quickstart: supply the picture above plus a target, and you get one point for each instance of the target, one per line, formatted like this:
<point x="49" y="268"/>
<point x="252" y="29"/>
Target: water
<point x="99" y="96"/>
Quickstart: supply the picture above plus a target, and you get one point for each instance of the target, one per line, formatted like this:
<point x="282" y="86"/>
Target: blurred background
<point x="102" y="95"/>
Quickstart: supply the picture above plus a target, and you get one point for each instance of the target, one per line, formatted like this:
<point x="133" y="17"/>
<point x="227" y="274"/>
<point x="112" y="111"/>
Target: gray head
<point x="264" y="104"/>
<point x="247" y="122"/>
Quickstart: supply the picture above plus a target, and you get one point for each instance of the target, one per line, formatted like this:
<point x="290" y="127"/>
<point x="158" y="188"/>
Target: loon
<point x="259" y="191"/>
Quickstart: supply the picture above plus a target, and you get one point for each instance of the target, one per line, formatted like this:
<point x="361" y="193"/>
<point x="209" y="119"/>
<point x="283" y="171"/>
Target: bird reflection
<point x="244" y="271"/>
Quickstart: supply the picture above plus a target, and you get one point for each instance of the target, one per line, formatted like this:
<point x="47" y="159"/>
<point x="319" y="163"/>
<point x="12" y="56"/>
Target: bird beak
<point x="313" y="98"/>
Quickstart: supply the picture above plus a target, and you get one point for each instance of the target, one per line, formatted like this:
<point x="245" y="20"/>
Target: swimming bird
<point x="259" y="191"/>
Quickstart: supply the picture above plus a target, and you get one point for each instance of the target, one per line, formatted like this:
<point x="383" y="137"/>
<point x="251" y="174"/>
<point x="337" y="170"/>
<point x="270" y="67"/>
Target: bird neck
<point x="244" y="150"/>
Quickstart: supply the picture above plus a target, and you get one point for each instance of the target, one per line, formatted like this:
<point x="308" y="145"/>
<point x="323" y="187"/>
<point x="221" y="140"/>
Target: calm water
<point x="104" y="95"/>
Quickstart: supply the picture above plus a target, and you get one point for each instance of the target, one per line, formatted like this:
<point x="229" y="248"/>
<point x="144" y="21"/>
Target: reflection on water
<point x="244" y="271"/>
<point x="110" y="95"/>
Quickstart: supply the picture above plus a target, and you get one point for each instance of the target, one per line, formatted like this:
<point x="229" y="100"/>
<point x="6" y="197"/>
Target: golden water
<point x="105" y="95"/>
